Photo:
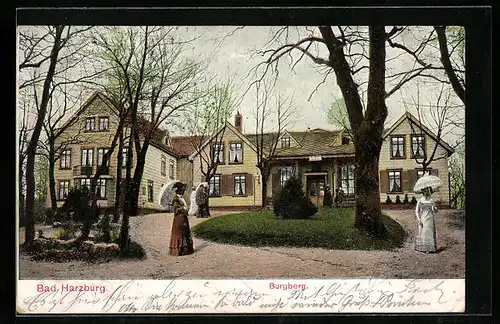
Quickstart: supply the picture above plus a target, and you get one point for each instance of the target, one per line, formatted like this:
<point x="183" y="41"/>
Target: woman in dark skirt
<point x="181" y="242"/>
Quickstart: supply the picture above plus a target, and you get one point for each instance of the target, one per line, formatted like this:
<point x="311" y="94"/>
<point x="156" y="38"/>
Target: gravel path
<point x="213" y="260"/>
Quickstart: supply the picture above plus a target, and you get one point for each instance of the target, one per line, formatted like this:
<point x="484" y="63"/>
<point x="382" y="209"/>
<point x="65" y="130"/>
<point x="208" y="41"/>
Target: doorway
<point x="316" y="188"/>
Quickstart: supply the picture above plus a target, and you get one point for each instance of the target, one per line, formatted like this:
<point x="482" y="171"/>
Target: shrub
<point x="413" y="200"/>
<point x="67" y="231"/>
<point x="77" y="207"/>
<point x="292" y="203"/>
<point x="405" y="200"/>
<point x="388" y="200"/>
<point x="398" y="200"/>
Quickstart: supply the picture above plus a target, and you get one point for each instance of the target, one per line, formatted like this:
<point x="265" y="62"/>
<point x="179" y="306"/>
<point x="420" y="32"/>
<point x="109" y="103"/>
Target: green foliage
<point x="413" y="200"/>
<point x="337" y="115"/>
<point x="77" y="206"/>
<point x="292" y="202"/>
<point x="406" y="200"/>
<point x="388" y="201"/>
<point x="105" y="231"/>
<point x="398" y="200"/>
<point x="330" y="228"/>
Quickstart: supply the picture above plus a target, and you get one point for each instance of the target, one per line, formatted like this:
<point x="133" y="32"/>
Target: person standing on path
<point x="425" y="240"/>
<point x="181" y="242"/>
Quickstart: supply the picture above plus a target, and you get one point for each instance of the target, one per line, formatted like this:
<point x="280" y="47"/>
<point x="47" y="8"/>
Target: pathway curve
<point x="214" y="260"/>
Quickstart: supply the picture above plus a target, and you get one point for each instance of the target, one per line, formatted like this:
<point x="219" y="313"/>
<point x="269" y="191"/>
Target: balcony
<point x="89" y="170"/>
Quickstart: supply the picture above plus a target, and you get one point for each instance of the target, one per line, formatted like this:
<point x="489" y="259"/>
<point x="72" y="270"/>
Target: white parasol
<point x="166" y="195"/>
<point x="427" y="181"/>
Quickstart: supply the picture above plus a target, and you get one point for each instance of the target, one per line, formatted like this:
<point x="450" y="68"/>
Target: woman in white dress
<point x="193" y="207"/>
<point x="425" y="240"/>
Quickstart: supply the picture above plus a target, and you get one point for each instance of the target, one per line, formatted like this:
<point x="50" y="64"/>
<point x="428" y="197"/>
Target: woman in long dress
<point x="425" y="240"/>
<point x="202" y="193"/>
<point x="181" y="242"/>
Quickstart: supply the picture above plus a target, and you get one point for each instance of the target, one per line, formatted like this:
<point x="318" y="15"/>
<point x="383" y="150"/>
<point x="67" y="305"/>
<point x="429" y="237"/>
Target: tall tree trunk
<point x="118" y="207"/>
<point x="124" y="229"/>
<point x="52" y="183"/>
<point x="264" y="180"/>
<point x="138" y="173"/>
<point x="33" y="143"/>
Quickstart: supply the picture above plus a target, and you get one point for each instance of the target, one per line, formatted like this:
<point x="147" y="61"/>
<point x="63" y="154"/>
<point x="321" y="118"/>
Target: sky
<point x="231" y="51"/>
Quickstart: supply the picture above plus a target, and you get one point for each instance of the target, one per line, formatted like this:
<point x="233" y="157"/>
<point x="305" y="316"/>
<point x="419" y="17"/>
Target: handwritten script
<point x="244" y="296"/>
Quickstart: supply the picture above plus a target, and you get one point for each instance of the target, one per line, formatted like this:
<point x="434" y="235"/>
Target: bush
<point x="40" y="211"/>
<point x="388" y="200"/>
<point x="292" y="203"/>
<point x="67" y="231"/>
<point x="405" y="200"/>
<point x="77" y="207"/>
<point x="398" y="200"/>
<point x="413" y="200"/>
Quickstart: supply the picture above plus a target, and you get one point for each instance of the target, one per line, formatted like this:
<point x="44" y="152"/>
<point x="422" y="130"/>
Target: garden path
<point x="214" y="260"/>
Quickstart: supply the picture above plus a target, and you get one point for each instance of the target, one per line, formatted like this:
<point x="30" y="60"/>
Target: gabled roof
<point x="184" y="145"/>
<point x="286" y="133"/>
<point x="230" y="127"/>
<point x="416" y="122"/>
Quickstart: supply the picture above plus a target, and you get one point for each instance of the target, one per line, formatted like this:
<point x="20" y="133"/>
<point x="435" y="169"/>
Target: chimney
<point x="237" y="122"/>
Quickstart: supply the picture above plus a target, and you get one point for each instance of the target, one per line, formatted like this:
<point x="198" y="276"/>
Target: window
<point x="101" y="188"/>
<point x="124" y="156"/>
<point x="85" y="183"/>
<point x="163" y="165"/>
<point x="239" y="185"/>
<point x="236" y="153"/>
<point x="90" y="124"/>
<point x="103" y="123"/>
<point x="418" y="145"/>
<point x="420" y="173"/>
<point x="63" y="189"/>
<point x="397" y="147"/>
<point x="171" y="169"/>
<point x="87" y="157"/>
<point x="218" y="151"/>
<point x="345" y="140"/>
<point x="347" y="178"/>
<point x="395" y="181"/>
<point x="150" y="190"/>
<point x="285" y="141"/>
<point x="285" y="174"/>
<point x="100" y="156"/>
<point x="65" y="159"/>
<point x="214" y="185"/>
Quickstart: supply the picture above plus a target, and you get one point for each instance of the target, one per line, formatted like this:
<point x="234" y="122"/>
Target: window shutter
<point x="226" y="184"/>
<point x="249" y="184"/>
<point x="434" y="172"/>
<point x="384" y="181"/>
<point x="413" y="178"/>
<point x="406" y="180"/>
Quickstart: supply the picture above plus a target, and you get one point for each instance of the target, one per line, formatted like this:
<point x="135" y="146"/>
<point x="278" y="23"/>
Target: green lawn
<point x="330" y="228"/>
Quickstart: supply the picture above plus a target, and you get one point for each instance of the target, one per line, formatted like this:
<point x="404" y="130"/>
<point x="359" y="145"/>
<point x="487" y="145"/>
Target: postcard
<point x="240" y="169"/>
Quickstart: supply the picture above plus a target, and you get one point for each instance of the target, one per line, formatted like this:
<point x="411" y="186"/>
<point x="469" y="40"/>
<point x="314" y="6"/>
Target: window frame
<point x="101" y="182"/>
<point x="428" y="170"/>
<point x="67" y="158"/>
<point x="63" y="187"/>
<point x="285" y="139"/>
<point x="85" y="180"/>
<point x="171" y="169"/>
<point x="235" y="181"/>
<point x="163" y="165"/>
<point x="230" y="151"/>
<point x="91" y="129"/>
<point x="217" y="152"/>
<point x="91" y="160"/>
<point x="348" y="166"/>
<point x="282" y="183"/>
<point x="403" y="155"/>
<point x="124" y="156"/>
<point x="423" y="145"/>
<point x="212" y="193"/>
<point x="150" y="191"/>
<point x="103" y="150"/>
<point x="400" y="171"/>
<point x="107" y="124"/>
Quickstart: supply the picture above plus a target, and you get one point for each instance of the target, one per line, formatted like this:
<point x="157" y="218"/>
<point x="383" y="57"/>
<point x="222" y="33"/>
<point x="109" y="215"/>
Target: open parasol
<point x="167" y="194"/>
<point x="427" y="181"/>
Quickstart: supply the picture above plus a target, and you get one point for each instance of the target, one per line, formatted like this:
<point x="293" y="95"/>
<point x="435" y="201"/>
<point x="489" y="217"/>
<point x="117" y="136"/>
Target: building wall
<point x="152" y="172"/>
<point x="248" y="166"/>
<point x="102" y="139"/>
<point x="185" y="174"/>
<point x="408" y="163"/>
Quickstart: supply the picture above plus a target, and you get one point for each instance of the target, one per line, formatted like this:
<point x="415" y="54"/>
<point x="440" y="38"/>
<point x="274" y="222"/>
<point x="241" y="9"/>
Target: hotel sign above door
<point x="315" y="158"/>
